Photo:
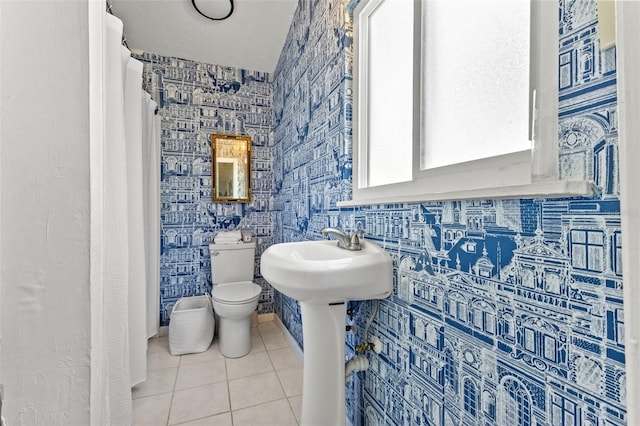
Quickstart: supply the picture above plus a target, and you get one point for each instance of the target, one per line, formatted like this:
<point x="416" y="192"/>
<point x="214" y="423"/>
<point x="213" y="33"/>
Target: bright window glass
<point x="475" y="80"/>
<point x="390" y="92"/>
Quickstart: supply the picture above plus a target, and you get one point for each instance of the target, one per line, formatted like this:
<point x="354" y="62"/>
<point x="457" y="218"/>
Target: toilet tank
<point x="232" y="262"/>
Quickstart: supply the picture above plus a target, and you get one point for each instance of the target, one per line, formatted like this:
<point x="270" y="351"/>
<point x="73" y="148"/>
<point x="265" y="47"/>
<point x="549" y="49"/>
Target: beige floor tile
<point x="254" y="390"/>
<point x="196" y="403"/>
<point x="212" y="354"/>
<point x="202" y="373"/>
<point x="269" y="331"/>
<point x="296" y="406"/>
<point x="274" y="341"/>
<point x="291" y="380"/>
<point x="249" y="365"/>
<point x="151" y="410"/>
<point x="256" y="341"/>
<point x="272" y="413"/>
<point x="158" y="381"/>
<point x="283" y="358"/>
<point x="160" y="360"/>
<point x="267" y="327"/>
<point x="223" y="419"/>
<point x="158" y="344"/>
<point x="264" y="387"/>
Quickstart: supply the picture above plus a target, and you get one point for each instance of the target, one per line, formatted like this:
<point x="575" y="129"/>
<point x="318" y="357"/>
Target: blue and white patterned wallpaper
<point x="195" y="100"/>
<point x="504" y="311"/>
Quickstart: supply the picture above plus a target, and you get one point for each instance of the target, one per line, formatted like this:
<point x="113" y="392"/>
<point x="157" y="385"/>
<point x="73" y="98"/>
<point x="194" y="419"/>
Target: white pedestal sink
<point x="323" y="277"/>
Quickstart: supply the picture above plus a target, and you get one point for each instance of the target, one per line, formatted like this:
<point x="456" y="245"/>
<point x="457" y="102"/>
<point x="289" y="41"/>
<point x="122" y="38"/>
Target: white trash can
<point x="191" y="325"/>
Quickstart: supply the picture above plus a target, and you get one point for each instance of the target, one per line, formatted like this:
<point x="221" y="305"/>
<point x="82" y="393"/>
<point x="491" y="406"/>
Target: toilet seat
<point x="236" y="293"/>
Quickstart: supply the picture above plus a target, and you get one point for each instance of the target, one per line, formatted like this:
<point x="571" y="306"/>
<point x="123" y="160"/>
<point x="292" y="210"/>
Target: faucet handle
<point x="355" y="240"/>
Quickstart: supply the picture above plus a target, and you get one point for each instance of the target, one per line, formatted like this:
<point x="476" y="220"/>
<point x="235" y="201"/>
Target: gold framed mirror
<point x="231" y="168"/>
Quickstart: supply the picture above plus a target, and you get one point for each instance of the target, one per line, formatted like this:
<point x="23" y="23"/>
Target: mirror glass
<point x="231" y="159"/>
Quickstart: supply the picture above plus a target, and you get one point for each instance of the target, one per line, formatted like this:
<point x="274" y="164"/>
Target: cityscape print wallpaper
<point x="196" y="100"/>
<point x="504" y="312"/>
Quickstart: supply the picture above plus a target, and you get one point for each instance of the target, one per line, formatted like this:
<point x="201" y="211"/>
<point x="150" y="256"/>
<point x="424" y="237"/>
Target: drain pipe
<point x="355" y="364"/>
<point x="361" y="362"/>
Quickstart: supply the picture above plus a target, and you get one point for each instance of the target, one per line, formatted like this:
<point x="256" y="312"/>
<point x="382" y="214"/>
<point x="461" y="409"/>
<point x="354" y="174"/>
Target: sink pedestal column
<point x="323" y="330"/>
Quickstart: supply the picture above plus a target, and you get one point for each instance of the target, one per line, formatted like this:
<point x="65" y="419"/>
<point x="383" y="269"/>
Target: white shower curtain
<point x="151" y="190"/>
<point x="116" y="407"/>
<point x="133" y="113"/>
<point x="131" y="225"/>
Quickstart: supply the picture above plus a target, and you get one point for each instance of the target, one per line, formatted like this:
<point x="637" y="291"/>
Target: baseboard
<point x="266" y="317"/>
<point x="297" y="351"/>
<point x="163" y="331"/>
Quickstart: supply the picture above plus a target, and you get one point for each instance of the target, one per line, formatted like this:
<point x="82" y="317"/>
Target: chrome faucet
<point x="344" y="240"/>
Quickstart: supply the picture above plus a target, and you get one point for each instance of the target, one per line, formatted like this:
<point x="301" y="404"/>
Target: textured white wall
<point x="44" y="212"/>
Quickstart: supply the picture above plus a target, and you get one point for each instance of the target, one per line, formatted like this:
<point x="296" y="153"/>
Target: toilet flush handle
<point x="215" y="253"/>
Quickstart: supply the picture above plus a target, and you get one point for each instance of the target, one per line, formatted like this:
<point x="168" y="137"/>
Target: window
<point x="414" y="136"/>
<point x="516" y="408"/>
<point x="620" y="326"/>
<point x="477" y="317"/>
<point x="615" y="326"/>
<point x="432" y="335"/>
<point x="470" y="398"/>
<point x="450" y="370"/>
<point x="529" y="340"/>
<point x="528" y="277"/>
<point x="474" y="80"/>
<point x="603" y="169"/>
<point x="456" y="306"/>
<point x="489" y="404"/>
<point x="508" y="327"/>
<point x="617" y="253"/>
<point x="483" y="317"/>
<point x="550" y="351"/>
<point x="552" y="283"/>
<point x="587" y="250"/>
<point x="563" y="411"/>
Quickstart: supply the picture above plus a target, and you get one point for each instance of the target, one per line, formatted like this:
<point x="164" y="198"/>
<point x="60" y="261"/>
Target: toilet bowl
<point x="234" y="295"/>
<point x="233" y="304"/>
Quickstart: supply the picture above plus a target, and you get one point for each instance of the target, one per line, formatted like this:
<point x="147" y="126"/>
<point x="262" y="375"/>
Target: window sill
<point x="569" y="188"/>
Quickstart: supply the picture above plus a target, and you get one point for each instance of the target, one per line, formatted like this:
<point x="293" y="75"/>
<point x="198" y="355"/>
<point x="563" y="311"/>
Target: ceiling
<point x="251" y="38"/>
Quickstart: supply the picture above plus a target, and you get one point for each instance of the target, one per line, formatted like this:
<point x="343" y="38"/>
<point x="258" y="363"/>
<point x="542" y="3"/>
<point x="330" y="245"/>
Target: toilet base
<point x="234" y="336"/>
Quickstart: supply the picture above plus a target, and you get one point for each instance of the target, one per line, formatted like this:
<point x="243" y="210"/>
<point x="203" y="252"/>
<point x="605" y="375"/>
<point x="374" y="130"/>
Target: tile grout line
<point x="226" y="376"/>
<point x="284" y="392"/>
<point x="292" y="411"/>
<point x="282" y="387"/>
<point x="173" y="392"/>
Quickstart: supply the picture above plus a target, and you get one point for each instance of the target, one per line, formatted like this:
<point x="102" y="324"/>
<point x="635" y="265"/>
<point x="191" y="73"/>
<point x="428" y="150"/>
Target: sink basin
<point x="322" y="272"/>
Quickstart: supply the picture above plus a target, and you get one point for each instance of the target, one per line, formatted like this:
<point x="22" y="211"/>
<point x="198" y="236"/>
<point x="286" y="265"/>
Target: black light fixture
<point x="193" y="2"/>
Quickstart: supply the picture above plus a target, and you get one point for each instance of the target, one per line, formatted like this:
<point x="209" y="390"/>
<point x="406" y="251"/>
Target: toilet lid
<point x="236" y="293"/>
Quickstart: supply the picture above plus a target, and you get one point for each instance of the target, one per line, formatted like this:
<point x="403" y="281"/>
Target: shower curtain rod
<point x="109" y="9"/>
<point x="124" y="42"/>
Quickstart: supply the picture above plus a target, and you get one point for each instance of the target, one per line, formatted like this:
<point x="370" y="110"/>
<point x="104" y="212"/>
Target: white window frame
<point x="527" y="173"/>
<point x="627" y="15"/>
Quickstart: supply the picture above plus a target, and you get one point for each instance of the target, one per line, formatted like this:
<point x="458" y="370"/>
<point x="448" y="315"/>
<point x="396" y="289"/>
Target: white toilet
<point x="234" y="295"/>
